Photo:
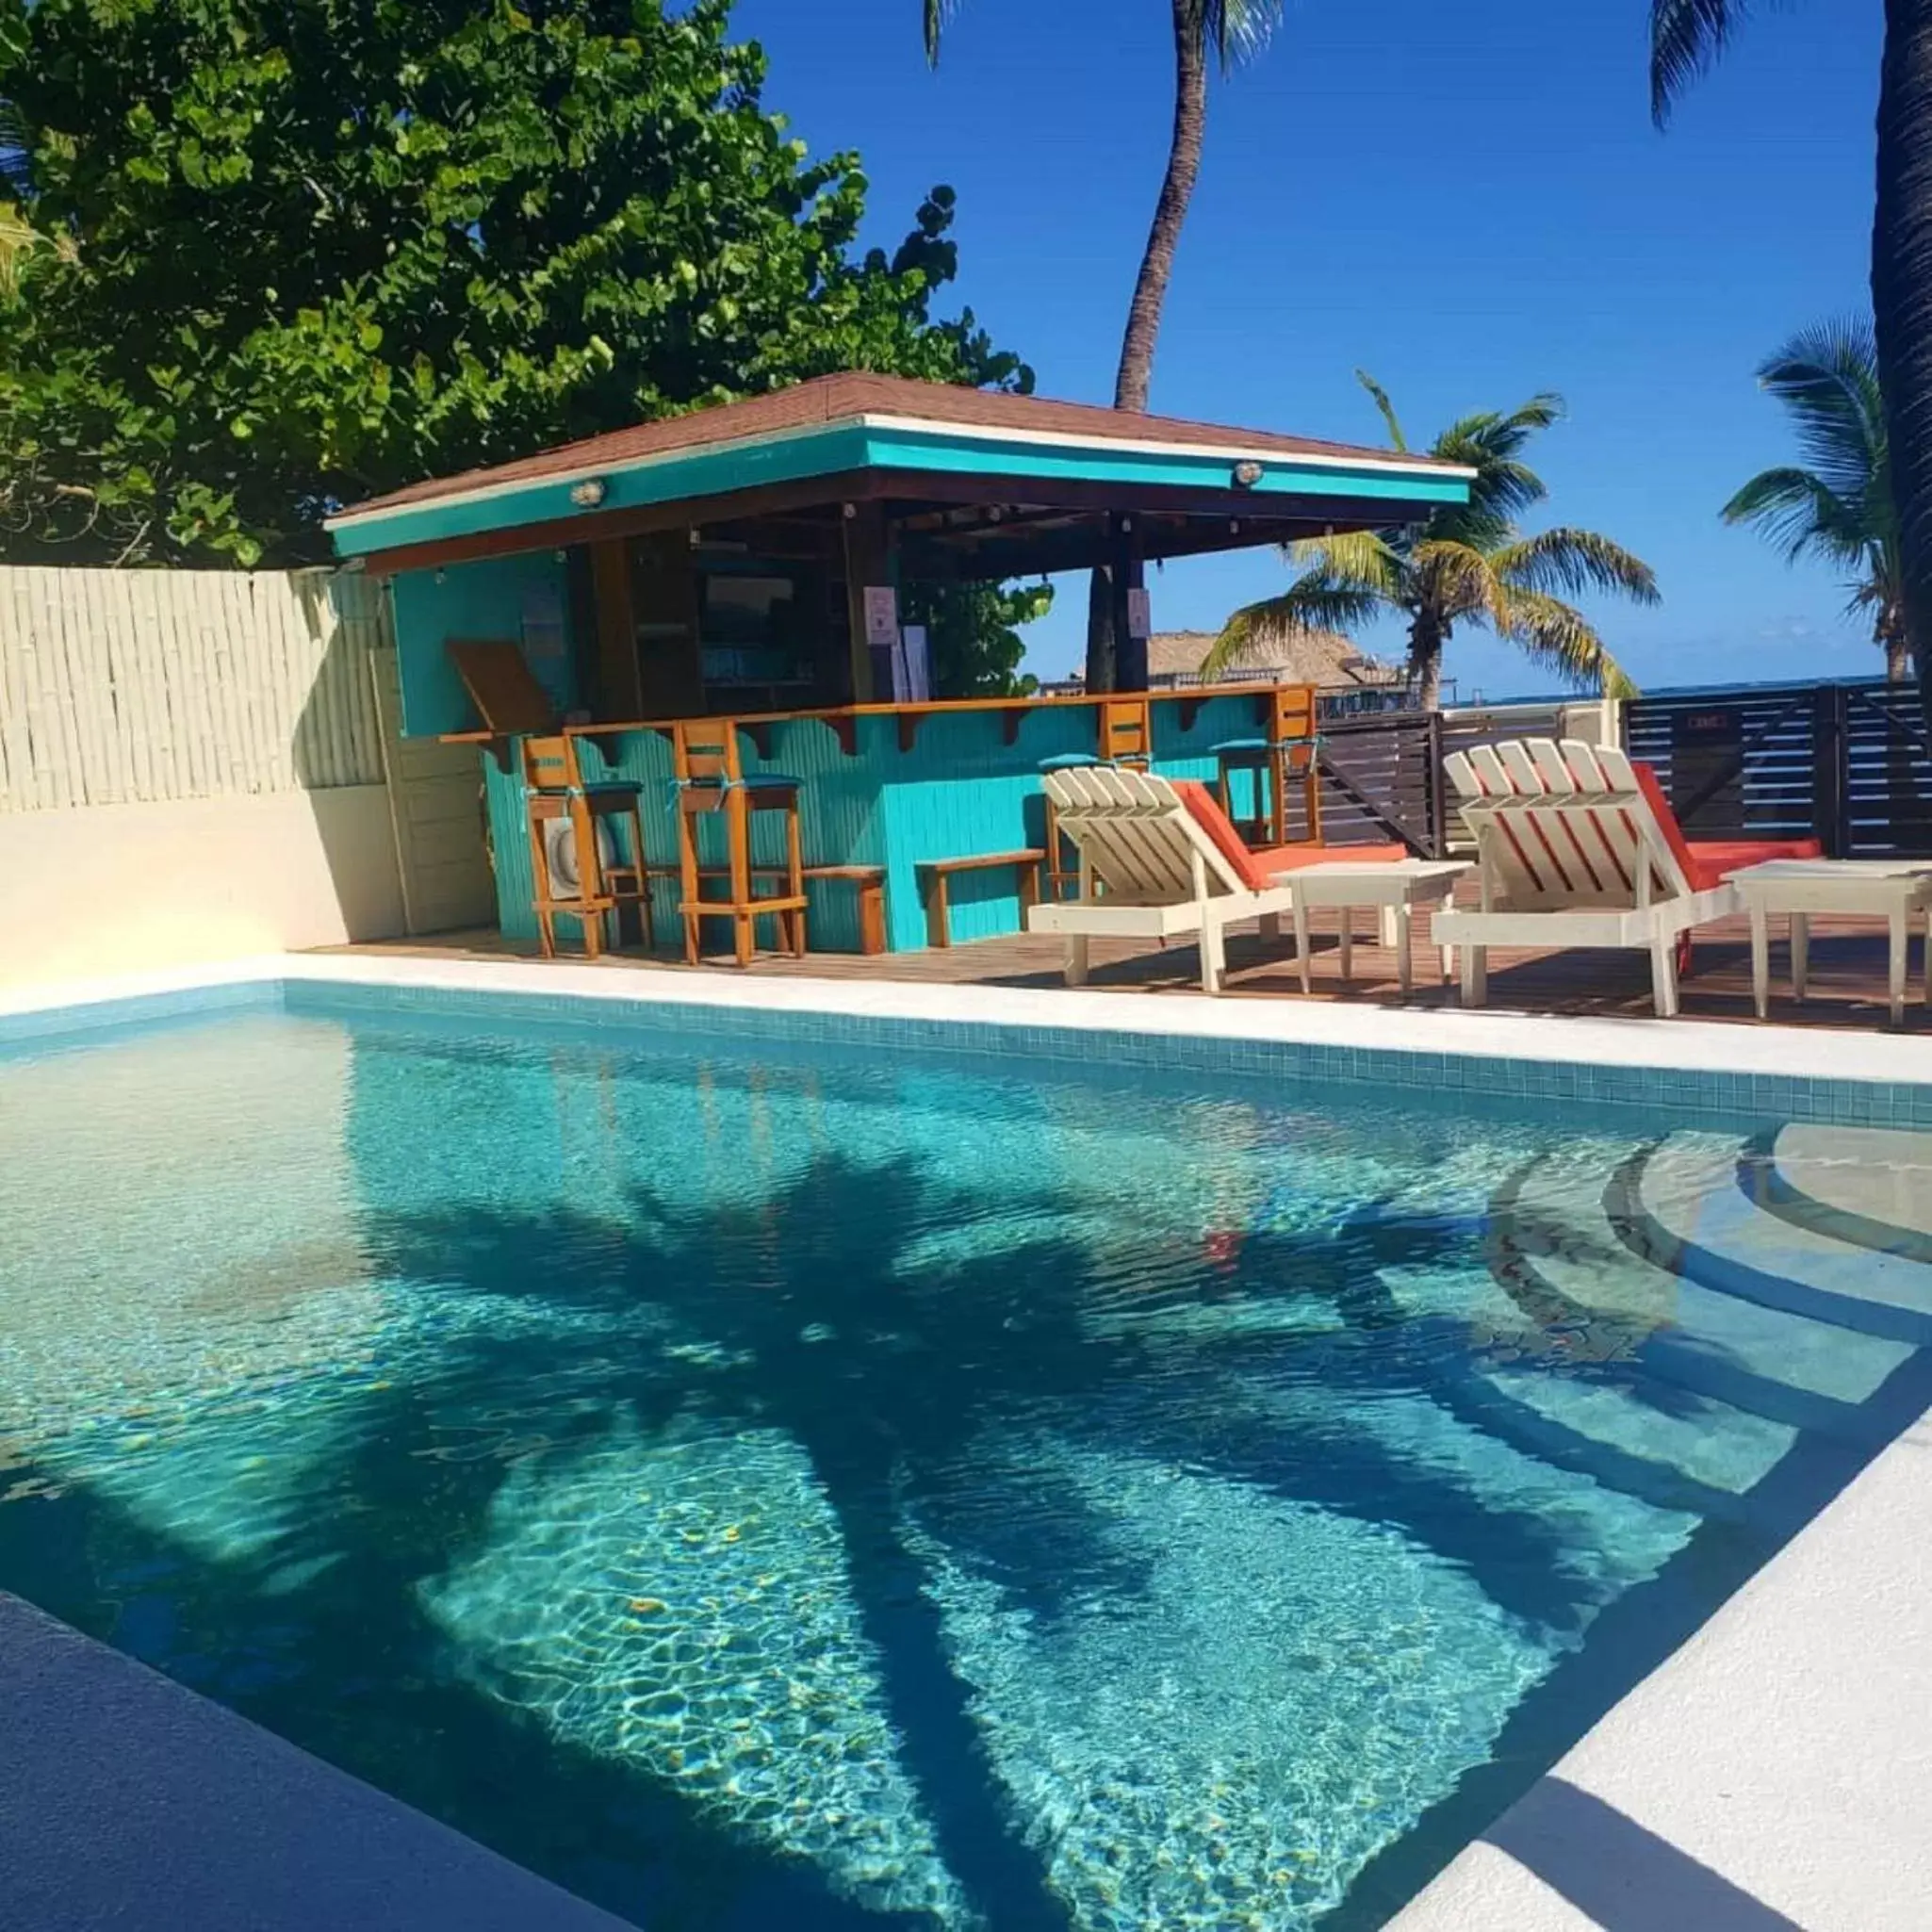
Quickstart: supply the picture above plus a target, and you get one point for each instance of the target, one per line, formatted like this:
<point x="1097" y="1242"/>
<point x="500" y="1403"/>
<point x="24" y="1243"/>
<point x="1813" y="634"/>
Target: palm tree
<point x="1686" y="36"/>
<point x="1232" y="31"/>
<point x="1840" y="508"/>
<point x="1468" y="564"/>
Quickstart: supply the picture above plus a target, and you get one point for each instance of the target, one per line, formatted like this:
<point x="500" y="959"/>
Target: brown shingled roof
<point x="841" y="398"/>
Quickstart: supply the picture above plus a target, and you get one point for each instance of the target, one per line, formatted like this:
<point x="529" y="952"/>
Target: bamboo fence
<point x="130" y="686"/>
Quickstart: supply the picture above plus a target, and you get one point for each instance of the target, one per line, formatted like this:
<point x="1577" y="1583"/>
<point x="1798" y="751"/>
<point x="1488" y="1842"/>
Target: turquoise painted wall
<point x="960" y="790"/>
<point x="525" y="598"/>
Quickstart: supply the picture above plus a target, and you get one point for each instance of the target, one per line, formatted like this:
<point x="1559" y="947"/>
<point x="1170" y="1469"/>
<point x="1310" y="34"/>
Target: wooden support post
<point x="619" y="688"/>
<point x="1128" y="574"/>
<point x="1435" y="791"/>
<point x="868" y="561"/>
<point x="665" y="593"/>
<point x="1830" y="809"/>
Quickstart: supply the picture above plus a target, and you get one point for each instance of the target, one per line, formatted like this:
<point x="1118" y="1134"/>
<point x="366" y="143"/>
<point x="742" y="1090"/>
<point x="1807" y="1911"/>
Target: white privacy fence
<point x="140" y="687"/>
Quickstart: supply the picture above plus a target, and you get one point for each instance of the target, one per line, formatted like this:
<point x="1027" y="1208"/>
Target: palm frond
<point x="1491" y="443"/>
<point x="1237" y="30"/>
<point x="1316" y="602"/>
<point x="936" y="14"/>
<point x="1558" y="635"/>
<point x="1453" y="580"/>
<point x="1686" y="37"/>
<point x="1827" y="377"/>
<point x="1800" y="516"/>
<point x="1380" y="395"/>
<point x="1574" y="562"/>
<point x="1361" y="559"/>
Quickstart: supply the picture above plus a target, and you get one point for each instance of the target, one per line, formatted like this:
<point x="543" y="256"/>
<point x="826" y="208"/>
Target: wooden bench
<point x="935" y="876"/>
<point x="869" y="881"/>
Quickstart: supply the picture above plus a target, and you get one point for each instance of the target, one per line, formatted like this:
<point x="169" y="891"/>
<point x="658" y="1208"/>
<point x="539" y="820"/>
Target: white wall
<point x="116" y="887"/>
<point x="196" y="765"/>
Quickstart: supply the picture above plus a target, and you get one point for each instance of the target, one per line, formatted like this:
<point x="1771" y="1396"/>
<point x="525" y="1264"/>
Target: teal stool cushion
<point x="1238" y="747"/>
<point x="1068" y="762"/>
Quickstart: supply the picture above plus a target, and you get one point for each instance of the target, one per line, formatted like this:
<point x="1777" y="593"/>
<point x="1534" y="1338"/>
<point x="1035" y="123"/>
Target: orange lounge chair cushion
<point x="1708" y="863"/>
<point x="1256" y="870"/>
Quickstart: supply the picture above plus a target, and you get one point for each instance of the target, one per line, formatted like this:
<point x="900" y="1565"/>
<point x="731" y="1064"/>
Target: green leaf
<point x="320" y="264"/>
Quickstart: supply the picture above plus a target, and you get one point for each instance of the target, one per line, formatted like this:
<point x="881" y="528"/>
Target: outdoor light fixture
<point x="589" y="493"/>
<point x="1247" y="474"/>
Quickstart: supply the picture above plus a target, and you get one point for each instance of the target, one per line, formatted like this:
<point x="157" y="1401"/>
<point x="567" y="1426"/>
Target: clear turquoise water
<point x="837" y="1491"/>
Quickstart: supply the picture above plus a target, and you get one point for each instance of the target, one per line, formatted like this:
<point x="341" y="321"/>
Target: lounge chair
<point x="1578" y="846"/>
<point x="1159" y="859"/>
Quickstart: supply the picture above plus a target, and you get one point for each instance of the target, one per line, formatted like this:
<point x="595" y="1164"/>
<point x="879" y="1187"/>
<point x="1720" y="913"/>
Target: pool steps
<point x="1776" y="1288"/>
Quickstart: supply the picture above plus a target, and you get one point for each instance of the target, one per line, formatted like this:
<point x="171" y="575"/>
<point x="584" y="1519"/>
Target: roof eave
<point x="879" y="440"/>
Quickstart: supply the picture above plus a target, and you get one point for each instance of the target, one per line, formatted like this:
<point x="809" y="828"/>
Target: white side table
<point x="1395" y="889"/>
<point x="1892" y="889"/>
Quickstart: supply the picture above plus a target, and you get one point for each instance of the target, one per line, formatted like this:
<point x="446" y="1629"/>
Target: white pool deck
<point x="1776" y="1771"/>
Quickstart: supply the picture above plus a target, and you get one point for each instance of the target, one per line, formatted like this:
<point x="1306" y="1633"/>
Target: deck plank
<point x="1848" y="970"/>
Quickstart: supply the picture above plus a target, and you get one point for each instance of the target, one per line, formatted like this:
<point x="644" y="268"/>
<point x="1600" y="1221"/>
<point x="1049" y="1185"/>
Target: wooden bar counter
<point x="899" y="787"/>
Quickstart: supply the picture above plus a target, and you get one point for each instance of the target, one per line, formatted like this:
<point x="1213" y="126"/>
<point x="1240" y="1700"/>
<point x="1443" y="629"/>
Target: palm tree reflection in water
<point x="827" y="1490"/>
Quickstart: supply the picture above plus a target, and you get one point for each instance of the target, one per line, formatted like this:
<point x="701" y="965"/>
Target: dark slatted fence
<point x="1382" y="781"/>
<point x="1849" y="764"/>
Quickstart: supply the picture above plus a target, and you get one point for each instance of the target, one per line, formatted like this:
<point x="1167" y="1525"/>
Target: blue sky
<point x="1467" y="199"/>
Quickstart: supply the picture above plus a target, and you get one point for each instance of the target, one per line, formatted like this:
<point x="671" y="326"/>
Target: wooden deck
<point x="1848" y="976"/>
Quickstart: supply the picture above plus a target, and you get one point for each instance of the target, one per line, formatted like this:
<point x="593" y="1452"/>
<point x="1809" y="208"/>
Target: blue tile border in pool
<point x="51" y="1025"/>
<point x="1675" y="1091"/>
<point x="1672" y="1090"/>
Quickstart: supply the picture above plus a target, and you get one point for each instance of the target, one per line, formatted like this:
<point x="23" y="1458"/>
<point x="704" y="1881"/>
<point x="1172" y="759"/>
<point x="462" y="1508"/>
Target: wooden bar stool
<point x="711" y="779"/>
<point x="1282" y="757"/>
<point x="1126" y="731"/>
<point x="568" y="822"/>
<point x="1126" y="738"/>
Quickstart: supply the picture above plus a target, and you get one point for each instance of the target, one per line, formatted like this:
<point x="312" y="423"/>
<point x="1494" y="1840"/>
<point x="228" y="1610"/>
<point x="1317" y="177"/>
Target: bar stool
<point x="1059" y="872"/>
<point x="1126" y="731"/>
<point x="1125" y="726"/>
<point x="555" y="794"/>
<point x="1286" y="755"/>
<point x="710" y="778"/>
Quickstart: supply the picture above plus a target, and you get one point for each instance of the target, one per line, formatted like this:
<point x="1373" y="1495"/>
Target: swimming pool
<point x="768" y="1482"/>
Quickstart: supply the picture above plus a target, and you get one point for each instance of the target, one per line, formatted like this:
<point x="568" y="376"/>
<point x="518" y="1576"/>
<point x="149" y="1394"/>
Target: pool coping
<point x="1775" y="1773"/>
<point x="1583" y="1040"/>
<point x="1673" y="1066"/>
<point x="127" y="1799"/>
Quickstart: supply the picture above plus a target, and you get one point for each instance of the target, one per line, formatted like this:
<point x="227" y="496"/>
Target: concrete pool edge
<point x="1666" y="1045"/>
<point x="127" y="1799"/>
<point x="1773" y="1775"/>
<point x="1678" y="1065"/>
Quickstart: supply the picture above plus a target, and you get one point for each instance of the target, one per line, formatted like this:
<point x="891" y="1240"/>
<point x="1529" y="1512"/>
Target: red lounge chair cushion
<point x="1256" y="870"/>
<point x="1708" y="863"/>
<point x="1720" y="857"/>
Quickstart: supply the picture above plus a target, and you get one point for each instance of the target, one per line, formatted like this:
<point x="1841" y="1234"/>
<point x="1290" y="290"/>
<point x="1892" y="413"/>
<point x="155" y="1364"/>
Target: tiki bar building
<point x="681" y="646"/>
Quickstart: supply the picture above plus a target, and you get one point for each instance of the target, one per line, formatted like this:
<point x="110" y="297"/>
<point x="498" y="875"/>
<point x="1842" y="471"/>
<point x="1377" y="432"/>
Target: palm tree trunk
<point x="1902" y="301"/>
<point x="1891" y="641"/>
<point x="1134" y="380"/>
<point x="1425" y="660"/>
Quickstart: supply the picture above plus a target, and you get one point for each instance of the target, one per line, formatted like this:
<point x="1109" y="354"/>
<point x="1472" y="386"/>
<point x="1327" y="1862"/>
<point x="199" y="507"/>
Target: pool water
<point x="760" y="1485"/>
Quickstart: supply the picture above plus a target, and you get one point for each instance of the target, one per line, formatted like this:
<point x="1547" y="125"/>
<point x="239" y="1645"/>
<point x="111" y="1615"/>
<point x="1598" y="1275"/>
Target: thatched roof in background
<point x="1310" y="657"/>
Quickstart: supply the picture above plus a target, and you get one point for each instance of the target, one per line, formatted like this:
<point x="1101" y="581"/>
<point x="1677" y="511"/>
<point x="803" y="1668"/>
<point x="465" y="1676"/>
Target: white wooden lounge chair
<point x="1576" y="846"/>
<point x="1160" y="861"/>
